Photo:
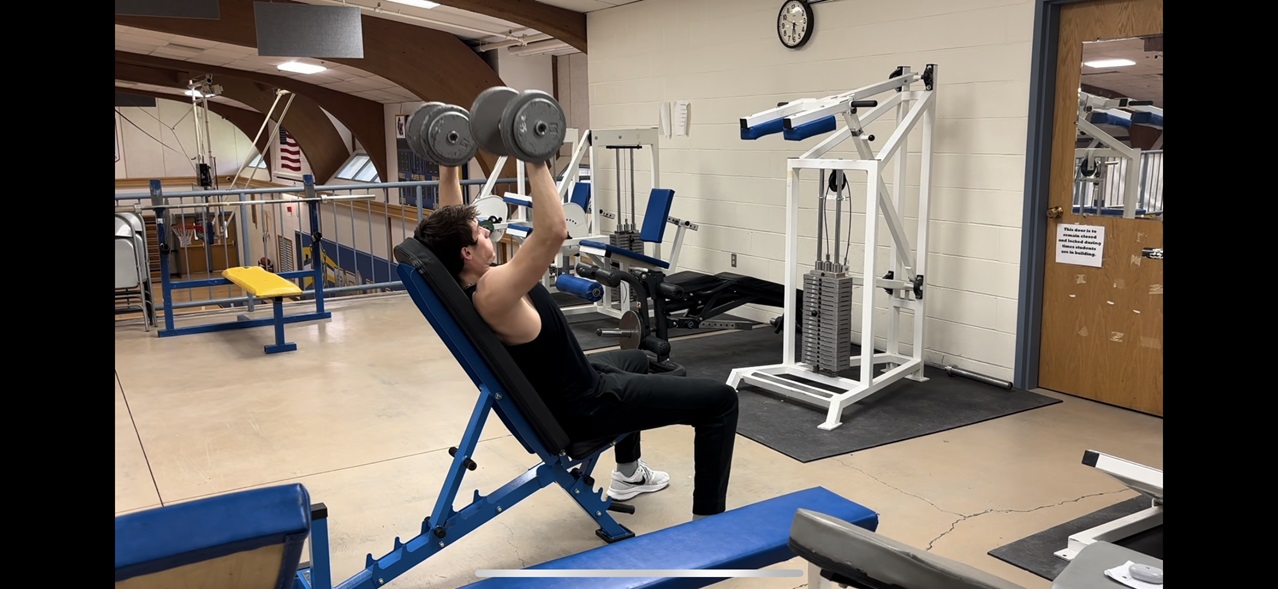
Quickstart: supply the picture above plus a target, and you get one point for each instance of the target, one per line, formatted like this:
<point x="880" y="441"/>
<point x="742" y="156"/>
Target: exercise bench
<point x="750" y="537"/>
<point x="504" y="391"/>
<point x="258" y="282"/>
<point x="241" y="540"/>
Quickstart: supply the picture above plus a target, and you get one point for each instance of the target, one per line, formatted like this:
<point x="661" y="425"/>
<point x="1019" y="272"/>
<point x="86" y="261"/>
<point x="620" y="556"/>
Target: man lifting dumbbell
<point x="602" y="395"/>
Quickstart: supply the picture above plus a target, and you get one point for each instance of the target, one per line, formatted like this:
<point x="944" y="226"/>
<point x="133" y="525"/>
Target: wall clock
<point x="795" y="23"/>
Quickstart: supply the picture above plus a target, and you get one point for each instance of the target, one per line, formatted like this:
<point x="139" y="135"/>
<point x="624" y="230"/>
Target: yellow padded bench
<point x="259" y="283"/>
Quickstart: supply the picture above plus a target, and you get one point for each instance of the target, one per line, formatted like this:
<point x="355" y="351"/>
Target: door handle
<point x="1155" y="253"/>
<point x="1055" y="212"/>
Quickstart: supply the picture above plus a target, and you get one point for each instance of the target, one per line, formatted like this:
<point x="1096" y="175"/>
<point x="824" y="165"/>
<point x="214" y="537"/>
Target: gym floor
<point x="363" y="414"/>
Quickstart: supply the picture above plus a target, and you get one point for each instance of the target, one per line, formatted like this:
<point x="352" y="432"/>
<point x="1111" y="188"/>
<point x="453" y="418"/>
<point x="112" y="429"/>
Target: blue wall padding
<point x="654" y="219"/>
<point x="749" y="537"/>
<point x="811" y="129"/>
<point x="176" y="535"/>
<point x="583" y="287"/>
<point x="761" y="129"/>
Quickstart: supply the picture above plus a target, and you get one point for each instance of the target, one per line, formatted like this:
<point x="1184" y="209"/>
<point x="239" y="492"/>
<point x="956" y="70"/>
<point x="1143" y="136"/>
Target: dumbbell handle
<point x="605" y="332"/>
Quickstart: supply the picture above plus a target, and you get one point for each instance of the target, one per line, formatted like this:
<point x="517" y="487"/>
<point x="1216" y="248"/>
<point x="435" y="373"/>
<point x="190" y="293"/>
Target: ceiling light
<point x="301" y="68"/>
<point x="417" y="3"/>
<point x="1100" y="63"/>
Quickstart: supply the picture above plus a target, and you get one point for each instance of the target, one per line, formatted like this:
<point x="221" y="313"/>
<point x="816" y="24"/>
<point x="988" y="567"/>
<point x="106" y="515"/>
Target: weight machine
<point x="815" y="378"/>
<point x="626" y="247"/>
<point x="1104" y="151"/>
<point x="201" y="90"/>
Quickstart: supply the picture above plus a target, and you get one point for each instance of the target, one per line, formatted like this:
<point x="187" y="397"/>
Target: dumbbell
<point x="528" y="126"/>
<point x="440" y="133"/>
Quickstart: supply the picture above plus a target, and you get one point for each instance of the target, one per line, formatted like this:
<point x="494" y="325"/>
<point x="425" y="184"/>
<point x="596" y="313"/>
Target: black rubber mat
<point x="906" y="409"/>
<point x="1037" y="553"/>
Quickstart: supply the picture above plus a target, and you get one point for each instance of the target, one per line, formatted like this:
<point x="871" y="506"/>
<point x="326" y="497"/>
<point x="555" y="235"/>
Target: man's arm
<point x="504" y="285"/>
<point x="450" y="190"/>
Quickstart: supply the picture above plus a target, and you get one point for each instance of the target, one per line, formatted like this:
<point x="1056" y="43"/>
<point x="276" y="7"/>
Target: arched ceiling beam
<point x="566" y="25"/>
<point x="323" y="145"/>
<point x="365" y="119"/>
<point x="431" y="64"/>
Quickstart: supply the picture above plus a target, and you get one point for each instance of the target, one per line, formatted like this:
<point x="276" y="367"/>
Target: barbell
<point x="529" y="126"/>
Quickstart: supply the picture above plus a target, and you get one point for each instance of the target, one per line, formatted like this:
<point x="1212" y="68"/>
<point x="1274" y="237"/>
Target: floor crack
<point x="902" y="491"/>
<point x="962" y="517"/>
<point x="510" y="540"/>
<point x="1032" y="509"/>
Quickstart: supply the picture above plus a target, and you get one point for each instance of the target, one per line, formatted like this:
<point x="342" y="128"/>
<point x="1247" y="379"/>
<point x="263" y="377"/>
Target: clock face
<point x="794" y="23"/>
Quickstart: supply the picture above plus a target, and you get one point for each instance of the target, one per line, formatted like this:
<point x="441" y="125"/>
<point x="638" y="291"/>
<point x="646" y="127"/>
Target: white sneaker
<point x="645" y="480"/>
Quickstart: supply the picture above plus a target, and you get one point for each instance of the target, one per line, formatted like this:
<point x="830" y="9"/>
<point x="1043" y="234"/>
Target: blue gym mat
<point x="905" y="410"/>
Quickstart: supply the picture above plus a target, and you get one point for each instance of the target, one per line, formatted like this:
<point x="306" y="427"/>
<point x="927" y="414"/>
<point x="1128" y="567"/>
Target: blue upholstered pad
<point x="811" y="129"/>
<point x="184" y="533"/>
<point x="762" y="129"/>
<point x="654" y="217"/>
<point x="750" y="537"/>
<point x="621" y="252"/>
<point x="581" y="195"/>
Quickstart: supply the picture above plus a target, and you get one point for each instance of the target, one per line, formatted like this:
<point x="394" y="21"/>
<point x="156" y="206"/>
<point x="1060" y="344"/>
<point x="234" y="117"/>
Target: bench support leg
<point x="280" y="345"/>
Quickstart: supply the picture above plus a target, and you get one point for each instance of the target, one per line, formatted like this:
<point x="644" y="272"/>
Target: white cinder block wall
<point x="574" y="91"/>
<point x="724" y="57"/>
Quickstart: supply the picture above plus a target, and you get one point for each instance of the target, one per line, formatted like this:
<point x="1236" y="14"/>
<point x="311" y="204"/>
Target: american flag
<point x="290" y="153"/>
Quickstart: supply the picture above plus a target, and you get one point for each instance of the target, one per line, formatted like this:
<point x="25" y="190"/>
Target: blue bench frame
<point x="278" y="318"/>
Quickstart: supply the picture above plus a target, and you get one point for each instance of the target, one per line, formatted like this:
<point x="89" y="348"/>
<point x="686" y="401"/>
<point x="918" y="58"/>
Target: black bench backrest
<point x="473" y="343"/>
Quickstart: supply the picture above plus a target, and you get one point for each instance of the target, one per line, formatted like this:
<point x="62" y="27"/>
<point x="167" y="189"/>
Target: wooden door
<point x="1102" y="329"/>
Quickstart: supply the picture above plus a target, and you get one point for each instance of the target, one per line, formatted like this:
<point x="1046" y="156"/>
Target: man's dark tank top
<point x="553" y="362"/>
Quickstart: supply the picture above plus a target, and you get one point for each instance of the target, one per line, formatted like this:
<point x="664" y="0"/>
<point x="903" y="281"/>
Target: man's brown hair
<point x="446" y="231"/>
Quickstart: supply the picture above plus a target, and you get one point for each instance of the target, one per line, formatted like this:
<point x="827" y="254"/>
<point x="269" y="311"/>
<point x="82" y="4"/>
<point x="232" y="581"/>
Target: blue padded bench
<point x="750" y="537"/>
<point x="248" y="538"/>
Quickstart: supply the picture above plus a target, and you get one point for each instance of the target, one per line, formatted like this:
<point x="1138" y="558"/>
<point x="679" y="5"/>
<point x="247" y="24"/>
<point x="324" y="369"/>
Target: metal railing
<point x="1100" y="188"/>
<point x="332" y="240"/>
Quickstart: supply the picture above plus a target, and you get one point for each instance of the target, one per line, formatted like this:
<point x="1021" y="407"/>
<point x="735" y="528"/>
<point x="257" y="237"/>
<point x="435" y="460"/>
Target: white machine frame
<point x="1113" y="148"/>
<point x="914" y="109"/>
<point x="648" y="137"/>
<point x="1145" y="479"/>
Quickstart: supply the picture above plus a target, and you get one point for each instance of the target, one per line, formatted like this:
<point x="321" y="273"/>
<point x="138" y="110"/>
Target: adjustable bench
<point x="504" y="391"/>
<point x="750" y="537"/>
<point x="244" y="539"/>
<point x="259" y="283"/>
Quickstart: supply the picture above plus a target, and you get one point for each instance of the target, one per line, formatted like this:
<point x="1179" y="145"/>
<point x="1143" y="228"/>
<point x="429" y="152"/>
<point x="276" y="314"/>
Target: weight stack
<point x="627" y="240"/>
<point x="827" y="321"/>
